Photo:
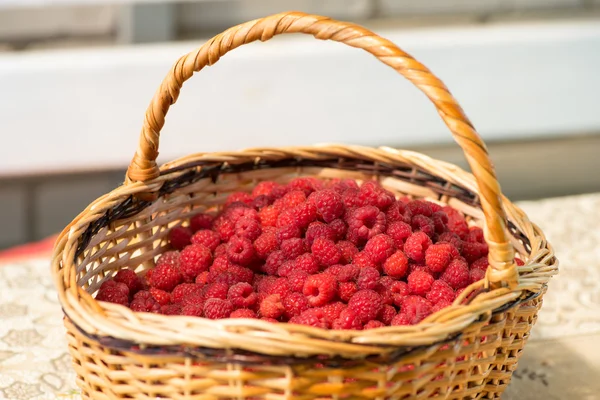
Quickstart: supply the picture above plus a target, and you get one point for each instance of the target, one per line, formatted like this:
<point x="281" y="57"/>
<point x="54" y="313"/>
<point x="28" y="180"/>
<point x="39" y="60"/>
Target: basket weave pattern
<point x="468" y="350"/>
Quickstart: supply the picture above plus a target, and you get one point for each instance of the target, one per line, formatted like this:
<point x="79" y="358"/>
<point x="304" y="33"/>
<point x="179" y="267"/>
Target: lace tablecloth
<point x="34" y="363"/>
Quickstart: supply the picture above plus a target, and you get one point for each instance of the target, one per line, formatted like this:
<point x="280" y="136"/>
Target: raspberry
<point x="271" y="307"/>
<point x="399" y="231"/>
<point x="264" y="187"/>
<point x="221" y="250"/>
<point x="240" y="251"/>
<point x="318" y="229"/>
<point x="412" y="267"/>
<point x="481" y="264"/>
<point x="438" y="256"/>
<point x="332" y="311"/>
<point x="242" y="313"/>
<point x="207" y="238"/>
<point x="399" y="290"/>
<point x="113" y="292"/>
<point x="386" y="314"/>
<point x="304" y="214"/>
<point x="242" y="295"/>
<point x="457" y="274"/>
<point x="163" y="298"/>
<point x="364" y="223"/>
<point x="348" y="273"/>
<point x="472" y="251"/>
<point x="456" y="222"/>
<point x="294" y="304"/>
<point x="170" y="257"/>
<point x="420" y="282"/>
<point x="415" y="307"/>
<point x="217" y="308"/>
<point x="224" y="227"/>
<point x="366" y="304"/>
<point x="268" y="216"/>
<point x="311" y="317"/>
<point x="179" y="237"/>
<point x="435" y="207"/>
<point x="170" y="309"/>
<point x="419" y="207"/>
<point x="440" y="291"/>
<point x="217" y="290"/>
<point x="339" y="227"/>
<point x="248" y="228"/>
<point x="395" y="211"/>
<point x="238" y="197"/>
<point x="280" y="286"/>
<point x="347" y="250"/>
<point x="325" y="251"/>
<point x="362" y="260"/>
<point x="293" y="248"/>
<point x="379" y="248"/>
<point x="340" y="185"/>
<point x="475" y="235"/>
<point x="350" y="198"/>
<point x="193" y="260"/>
<point x="320" y="289"/>
<point x="372" y="194"/>
<point x="201" y="221"/>
<point x="396" y="266"/>
<point x="263" y="283"/>
<point x="266" y="244"/>
<point x="416" y="245"/>
<point x="184" y="290"/>
<point x="329" y="204"/>
<point x="220" y="264"/>
<point x="307" y="263"/>
<point x="373" y="324"/>
<point x="288" y="232"/>
<point x="165" y="277"/>
<point x="286" y="268"/>
<point x="202" y="279"/>
<point x="234" y="213"/>
<point x="293" y="198"/>
<point x="129" y="278"/>
<point x="452" y="238"/>
<point x="519" y="262"/>
<point x="306" y="184"/>
<point x="401" y="319"/>
<point x="347" y="290"/>
<point x="440" y="305"/>
<point x="334" y="270"/>
<point x="144" y="302"/>
<point x="422" y="223"/>
<point x="367" y="278"/>
<point x="440" y="221"/>
<point x="274" y="261"/>
<point x="296" y="280"/>
<point x="476" y="275"/>
<point x="271" y="320"/>
<point x="262" y="201"/>
<point x="348" y="319"/>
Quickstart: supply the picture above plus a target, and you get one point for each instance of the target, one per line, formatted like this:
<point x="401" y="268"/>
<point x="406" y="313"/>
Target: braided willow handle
<point x="143" y="166"/>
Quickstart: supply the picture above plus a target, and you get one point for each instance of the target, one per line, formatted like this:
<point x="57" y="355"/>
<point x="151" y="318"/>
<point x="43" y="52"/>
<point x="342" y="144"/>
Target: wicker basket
<point x="466" y="351"/>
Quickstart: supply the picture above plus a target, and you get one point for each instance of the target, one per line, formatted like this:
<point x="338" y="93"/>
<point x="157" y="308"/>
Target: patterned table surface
<point x="34" y="363"/>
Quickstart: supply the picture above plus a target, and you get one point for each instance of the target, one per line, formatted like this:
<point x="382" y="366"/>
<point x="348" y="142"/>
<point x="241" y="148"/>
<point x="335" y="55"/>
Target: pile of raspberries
<point x="328" y="254"/>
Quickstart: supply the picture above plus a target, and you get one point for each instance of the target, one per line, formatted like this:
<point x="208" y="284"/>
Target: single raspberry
<point x="144" y="302"/>
<point x="220" y="264"/>
<point x="435" y="207"/>
<point x="350" y="198"/>
<point x="399" y="231"/>
<point x="264" y="188"/>
<point x="481" y="264"/>
<point x="320" y="289"/>
<point x="271" y="307"/>
<point x="363" y="260"/>
<point x="319" y="230"/>
<point x="248" y="228"/>
<point x="457" y="274"/>
<point x="421" y="223"/>
<point x="368" y="278"/>
<point x="241" y="274"/>
<point x="129" y="278"/>
<point x="380" y="248"/>
<point x="304" y="214"/>
<point x="113" y="292"/>
<point x="348" y="319"/>
<point x="366" y="304"/>
<point x="348" y="250"/>
<point x="399" y="290"/>
<point x="339" y="227"/>
<point x="373" y="324"/>
<point x="440" y="291"/>
<point x="325" y="251"/>
<point x="293" y="198"/>
<point x="201" y="221"/>
<point x="348" y="273"/>
<point x="202" y="278"/>
<point x="332" y="311"/>
<point x="420" y="282"/>
<point x="364" y="223"/>
<point x="163" y="298"/>
<point x="472" y="251"/>
<point x="170" y="258"/>
<point x="452" y="238"/>
<point x="165" y="277"/>
<point x="207" y="238"/>
<point x="241" y="197"/>
<point x="234" y="213"/>
<point x="280" y="286"/>
<point x="293" y="248"/>
<point x="224" y="227"/>
<point x="401" y="319"/>
<point x="311" y="317"/>
<point x="419" y="207"/>
<point x="395" y="212"/>
<point x="296" y="280"/>
<point x="386" y="314"/>
<point x="262" y="201"/>
<point x="268" y="215"/>
<point x="416" y="307"/>
<point x="266" y="244"/>
<point x="440" y="306"/>
<point x="334" y="270"/>
<point x="306" y="184"/>
<point x="184" y="290"/>
<point x="329" y="204"/>
<point x="288" y="232"/>
<point x="440" y="221"/>
<point x="438" y="256"/>
<point x="456" y="222"/>
<point x="217" y="290"/>
<point x="307" y="263"/>
<point x="416" y="245"/>
<point x="243" y="313"/>
<point x="193" y="260"/>
<point x="179" y="237"/>
<point x="347" y="290"/>
<point x="242" y="295"/>
<point x="294" y="304"/>
<point x="396" y="266"/>
<point x="476" y="275"/>
<point x="372" y="194"/>
<point x="217" y="308"/>
<point x="274" y="261"/>
<point x="221" y="250"/>
<point x="240" y="251"/>
<point x="286" y="268"/>
<point x="171" y="309"/>
<point x="475" y="235"/>
<point x="519" y="262"/>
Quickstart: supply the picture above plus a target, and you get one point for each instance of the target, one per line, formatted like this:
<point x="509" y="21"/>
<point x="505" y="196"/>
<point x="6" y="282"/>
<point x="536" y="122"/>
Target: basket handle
<point x="143" y="166"/>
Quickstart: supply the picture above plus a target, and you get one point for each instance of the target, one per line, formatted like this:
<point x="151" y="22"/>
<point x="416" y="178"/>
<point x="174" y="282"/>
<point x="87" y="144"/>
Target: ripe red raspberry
<point x="262" y="201"/>
<point x="419" y="207"/>
<point x="293" y="248"/>
<point x="399" y="290"/>
<point x="476" y="275"/>
<point x="475" y="235"/>
<point x="473" y="251"/>
<point x="340" y="185"/>
<point x="193" y="260"/>
<point x="452" y="238"/>
<point x="401" y="319"/>
<point x="271" y="307"/>
<point x="165" y="277"/>
<point x="217" y="308"/>
<point x="363" y="260"/>
<point x="263" y="283"/>
<point x="224" y="227"/>
<point x="242" y="197"/>
<point x="207" y="238"/>
<point x="306" y="184"/>
<point x="457" y="274"/>
<point x="170" y="309"/>
<point x="179" y="237"/>
<point x="440" y="291"/>
<point x="144" y="302"/>
<point x="364" y="223"/>
<point x="163" y="298"/>
<point x="339" y="227"/>
<point x="240" y="251"/>
<point x="325" y="251"/>
<point x="264" y="187"/>
<point x="420" y="282"/>
<point x="243" y="313"/>
<point x="373" y="324"/>
<point x="265" y="244"/>
<point x="348" y="250"/>
<point x="422" y="223"/>
<point x="350" y="198"/>
<point x="220" y="264"/>
<point x="293" y="198"/>
<point x="440" y="305"/>
<point x="288" y="232"/>
<point x="334" y="270"/>
<point x="221" y="250"/>
<point x="386" y="314"/>
<point x="113" y="292"/>
<point x="271" y="320"/>
<point x="440" y="221"/>
<point x="304" y="214"/>
<point x="348" y="319"/>
<point x="399" y="231"/>
<point x="201" y="221"/>
<point x="329" y="204"/>
<point x="347" y="290"/>
<point x="318" y="229"/>
<point x="202" y="279"/>
<point x="169" y="257"/>
<point x="217" y="290"/>
<point x="372" y="194"/>
<point x="248" y="228"/>
<point x="184" y="290"/>
<point x="320" y="289"/>
<point x="366" y="304"/>
<point x="294" y="304"/>
<point x="395" y="212"/>
<point x="415" y="307"/>
<point x="129" y="278"/>
<point x="311" y="317"/>
<point x="286" y="268"/>
<point x="379" y="248"/>
<point x="332" y="311"/>
<point x="280" y="286"/>
<point x="268" y="215"/>
<point x="368" y="278"/>
<point x="456" y="222"/>
<point x="438" y="256"/>
<point x="242" y="295"/>
<point x="307" y="263"/>
<point x="519" y="262"/>
<point x="416" y="245"/>
<point x="481" y="264"/>
<point x="296" y="280"/>
<point x="348" y="273"/>
<point x="435" y="207"/>
<point x="274" y="261"/>
<point x="396" y="266"/>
